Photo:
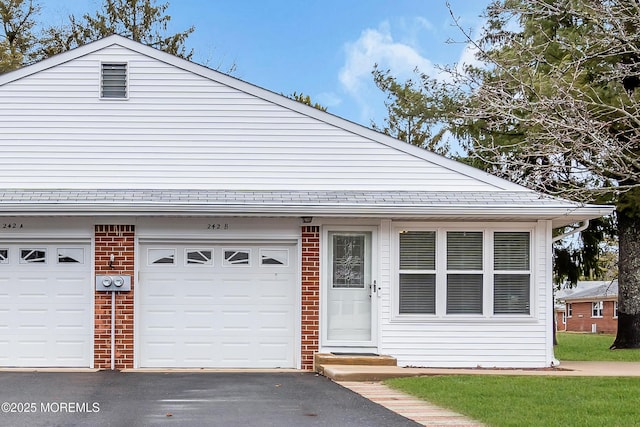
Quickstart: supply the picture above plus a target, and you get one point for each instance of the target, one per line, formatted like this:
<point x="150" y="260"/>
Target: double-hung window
<point x="511" y="273"/>
<point x="417" y="278"/>
<point x="464" y="272"/>
<point x="596" y="308"/>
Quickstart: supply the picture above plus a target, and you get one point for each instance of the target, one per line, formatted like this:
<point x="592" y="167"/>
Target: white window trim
<point x="615" y="309"/>
<point x="441" y="277"/>
<point x="569" y="310"/>
<point x="600" y="308"/>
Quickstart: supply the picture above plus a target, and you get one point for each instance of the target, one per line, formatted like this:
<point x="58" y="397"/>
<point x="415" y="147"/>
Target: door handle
<point x="373" y="288"/>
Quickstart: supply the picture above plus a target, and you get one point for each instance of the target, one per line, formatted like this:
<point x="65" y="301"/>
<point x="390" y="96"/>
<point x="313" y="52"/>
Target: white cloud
<point x="328" y="99"/>
<point x="377" y="46"/>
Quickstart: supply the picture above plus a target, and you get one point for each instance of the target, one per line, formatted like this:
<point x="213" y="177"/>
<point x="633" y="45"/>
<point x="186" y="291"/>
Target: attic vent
<point x="114" y="81"/>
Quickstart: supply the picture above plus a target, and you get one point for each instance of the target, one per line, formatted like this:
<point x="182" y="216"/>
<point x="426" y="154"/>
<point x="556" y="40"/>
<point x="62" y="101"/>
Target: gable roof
<point x="606" y="290"/>
<point x="459" y="185"/>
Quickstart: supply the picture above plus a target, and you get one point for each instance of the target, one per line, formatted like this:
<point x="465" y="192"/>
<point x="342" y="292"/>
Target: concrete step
<point x="322" y="359"/>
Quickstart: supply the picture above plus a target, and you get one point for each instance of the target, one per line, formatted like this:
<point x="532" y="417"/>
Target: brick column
<point x="310" y="295"/>
<point x="118" y="240"/>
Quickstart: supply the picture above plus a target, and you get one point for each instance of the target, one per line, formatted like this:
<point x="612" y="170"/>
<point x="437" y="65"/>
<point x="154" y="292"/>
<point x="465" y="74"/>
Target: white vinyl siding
<point x="181" y="130"/>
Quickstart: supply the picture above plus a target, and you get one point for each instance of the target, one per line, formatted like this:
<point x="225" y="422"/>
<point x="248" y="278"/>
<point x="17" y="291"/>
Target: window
<point x="32" y="256"/>
<point x="347" y="257"/>
<point x="162" y="256"/>
<point x="511" y="280"/>
<point x="4" y="256"/>
<point x="70" y="256"/>
<point x="615" y="309"/>
<point x="417" y="284"/>
<point x="569" y="310"/>
<point x="274" y="257"/>
<point x="454" y="272"/>
<point x="114" y="81"/>
<point x="236" y="257"/>
<point x="596" y="309"/>
<point x="199" y="257"/>
<point x="464" y="272"/>
<point x="564" y="318"/>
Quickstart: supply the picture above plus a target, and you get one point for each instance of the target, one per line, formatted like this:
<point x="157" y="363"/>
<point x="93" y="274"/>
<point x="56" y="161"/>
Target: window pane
<point x="511" y="251"/>
<point x="236" y="257"/>
<point x="71" y="255"/>
<point x="348" y="261"/>
<point x="199" y="256"/>
<point x="417" y="293"/>
<point x="418" y="250"/>
<point x="274" y="257"/>
<point x="464" y="250"/>
<point x="4" y="256"/>
<point x="162" y="256"/>
<point x="29" y="256"/>
<point x="511" y="294"/>
<point x="464" y="293"/>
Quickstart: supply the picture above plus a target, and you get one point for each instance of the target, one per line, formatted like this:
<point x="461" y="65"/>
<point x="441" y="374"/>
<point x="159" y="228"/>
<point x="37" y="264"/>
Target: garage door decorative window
<point x="71" y="255"/>
<point x="199" y="256"/>
<point x="29" y="256"/>
<point x="4" y="256"/>
<point x="278" y="257"/>
<point x="237" y="257"/>
<point x="162" y="256"/>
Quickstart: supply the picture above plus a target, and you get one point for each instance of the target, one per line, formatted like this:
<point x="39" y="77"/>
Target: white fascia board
<point x="560" y="216"/>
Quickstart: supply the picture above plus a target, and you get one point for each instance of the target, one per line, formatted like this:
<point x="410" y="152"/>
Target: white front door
<point x="350" y="289"/>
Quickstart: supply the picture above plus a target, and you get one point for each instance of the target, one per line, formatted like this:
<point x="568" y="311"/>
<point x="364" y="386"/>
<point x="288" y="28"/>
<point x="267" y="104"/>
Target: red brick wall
<point x="117" y="240"/>
<point x="310" y="295"/>
<point x="581" y="320"/>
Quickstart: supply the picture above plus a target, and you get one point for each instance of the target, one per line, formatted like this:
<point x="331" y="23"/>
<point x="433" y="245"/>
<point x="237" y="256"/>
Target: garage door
<point x="227" y="306"/>
<point x="46" y="306"/>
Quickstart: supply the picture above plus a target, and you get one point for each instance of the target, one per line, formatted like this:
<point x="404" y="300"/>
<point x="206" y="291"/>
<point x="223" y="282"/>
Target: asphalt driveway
<point x="184" y="399"/>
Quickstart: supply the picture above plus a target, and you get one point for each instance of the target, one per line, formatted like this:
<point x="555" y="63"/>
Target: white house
<point x="251" y="230"/>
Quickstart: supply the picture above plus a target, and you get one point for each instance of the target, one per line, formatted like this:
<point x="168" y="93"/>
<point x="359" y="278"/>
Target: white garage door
<point x="219" y="306"/>
<point x="46" y="311"/>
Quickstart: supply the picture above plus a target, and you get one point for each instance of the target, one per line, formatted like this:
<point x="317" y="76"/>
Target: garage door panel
<point x="46" y="313"/>
<point x="217" y="315"/>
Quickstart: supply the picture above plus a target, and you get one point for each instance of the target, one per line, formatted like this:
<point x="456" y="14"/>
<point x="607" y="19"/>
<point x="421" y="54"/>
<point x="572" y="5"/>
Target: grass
<point x="593" y="347"/>
<point x="532" y="400"/>
<point x="541" y="400"/>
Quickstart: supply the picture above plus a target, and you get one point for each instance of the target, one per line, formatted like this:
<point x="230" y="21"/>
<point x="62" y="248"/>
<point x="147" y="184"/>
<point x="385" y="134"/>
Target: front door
<point x="350" y="289"/>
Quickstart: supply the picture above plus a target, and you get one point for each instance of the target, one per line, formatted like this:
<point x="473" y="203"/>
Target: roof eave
<point x="560" y="216"/>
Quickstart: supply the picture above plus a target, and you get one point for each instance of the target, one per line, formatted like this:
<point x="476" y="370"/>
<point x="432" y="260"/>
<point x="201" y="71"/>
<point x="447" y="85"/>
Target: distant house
<point x="594" y="308"/>
<point x="242" y="229"/>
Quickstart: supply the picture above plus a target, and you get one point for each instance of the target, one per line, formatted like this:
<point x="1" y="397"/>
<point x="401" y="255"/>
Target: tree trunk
<point x="628" y="280"/>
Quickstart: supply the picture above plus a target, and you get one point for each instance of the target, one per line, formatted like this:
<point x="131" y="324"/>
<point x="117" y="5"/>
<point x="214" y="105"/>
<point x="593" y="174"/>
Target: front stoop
<point x="320" y="360"/>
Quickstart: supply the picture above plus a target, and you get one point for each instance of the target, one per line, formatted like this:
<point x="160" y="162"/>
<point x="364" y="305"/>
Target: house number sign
<point x="11" y="226"/>
<point x="217" y="226"/>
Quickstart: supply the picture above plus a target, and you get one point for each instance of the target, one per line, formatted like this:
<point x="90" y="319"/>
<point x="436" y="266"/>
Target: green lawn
<point x="541" y="400"/>
<point x="573" y="346"/>
<point x="524" y="401"/>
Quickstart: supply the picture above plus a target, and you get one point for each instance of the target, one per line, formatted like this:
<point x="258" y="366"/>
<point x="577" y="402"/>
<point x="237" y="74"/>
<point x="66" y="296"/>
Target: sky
<point x="322" y="48"/>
